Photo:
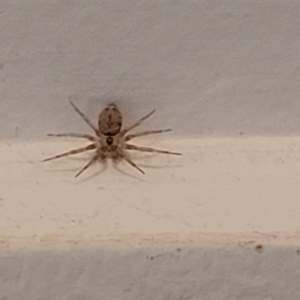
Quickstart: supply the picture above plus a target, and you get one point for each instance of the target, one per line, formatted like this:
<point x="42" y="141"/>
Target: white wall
<point x="208" y="67"/>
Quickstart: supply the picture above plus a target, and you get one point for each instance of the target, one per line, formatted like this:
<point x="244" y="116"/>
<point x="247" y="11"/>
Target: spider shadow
<point x="116" y="163"/>
<point x="94" y="174"/>
<point x="104" y="166"/>
<point x="71" y="169"/>
<point x="149" y="156"/>
<point x="165" y="166"/>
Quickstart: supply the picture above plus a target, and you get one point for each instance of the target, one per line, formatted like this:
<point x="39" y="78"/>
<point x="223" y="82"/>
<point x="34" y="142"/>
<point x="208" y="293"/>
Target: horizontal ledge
<point x="218" y="186"/>
<point x="195" y="240"/>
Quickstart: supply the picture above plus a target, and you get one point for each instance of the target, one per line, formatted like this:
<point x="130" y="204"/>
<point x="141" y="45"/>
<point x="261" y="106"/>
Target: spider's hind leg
<point x="146" y="149"/>
<point x="72" y="152"/>
<point x="123" y="156"/>
<point x="94" y="158"/>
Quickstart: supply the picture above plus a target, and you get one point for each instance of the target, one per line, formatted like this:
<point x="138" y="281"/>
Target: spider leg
<point x="85" y="118"/>
<point x="131" y="136"/>
<point x="77" y="135"/>
<point x="94" y="158"/>
<point x="71" y="152"/>
<point x="121" y="154"/>
<point x="137" y="123"/>
<point x="146" y="149"/>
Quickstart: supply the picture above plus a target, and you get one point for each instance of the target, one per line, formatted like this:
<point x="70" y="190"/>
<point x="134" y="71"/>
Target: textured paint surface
<point x="208" y="267"/>
<point x="218" y="185"/>
<point x="209" y="68"/>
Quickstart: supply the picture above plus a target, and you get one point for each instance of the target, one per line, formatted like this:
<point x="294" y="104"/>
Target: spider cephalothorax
<point x="110" y="139"/>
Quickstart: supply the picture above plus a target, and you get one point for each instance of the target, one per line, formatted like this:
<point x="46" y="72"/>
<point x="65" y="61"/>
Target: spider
<point x="109" y="140"/>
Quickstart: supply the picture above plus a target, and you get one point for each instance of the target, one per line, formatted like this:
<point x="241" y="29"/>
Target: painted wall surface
<point x="219" y="222"/>
<point x="221" y="68"/>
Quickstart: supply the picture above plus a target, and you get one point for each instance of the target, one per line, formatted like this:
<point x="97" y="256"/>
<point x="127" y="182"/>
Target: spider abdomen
<point x="110" y="120"/>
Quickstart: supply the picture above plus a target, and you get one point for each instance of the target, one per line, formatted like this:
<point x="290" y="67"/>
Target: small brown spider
<point x="110" y="140"/>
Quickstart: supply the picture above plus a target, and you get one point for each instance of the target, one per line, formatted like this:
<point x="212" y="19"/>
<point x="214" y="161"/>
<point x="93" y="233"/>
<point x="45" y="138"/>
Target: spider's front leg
<point x="76" y="135"/>
<point x="131" y="136"/>
<point x="85" y="118"/>
<point x="139" y="122"/>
